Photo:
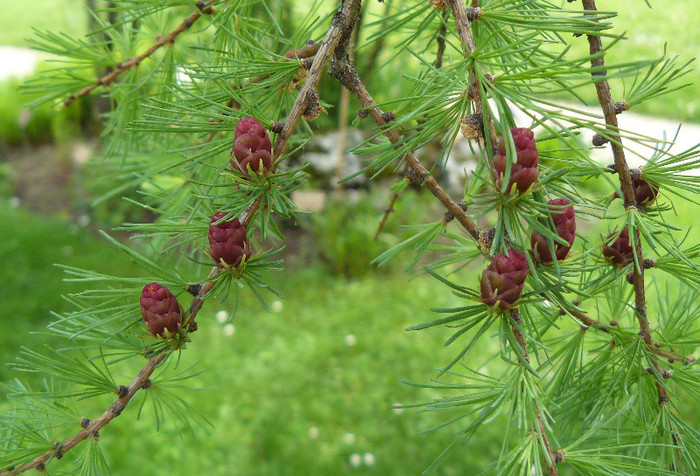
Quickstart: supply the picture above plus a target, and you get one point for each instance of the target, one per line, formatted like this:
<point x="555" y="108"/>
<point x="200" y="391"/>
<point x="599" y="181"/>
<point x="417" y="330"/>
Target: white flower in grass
<point x="368" y="459"/>
<point x="313" y="432"/>
<point x="276" y="306"/>
<point x="349" y="438"/>
<point x="355" y="460"/>
<point x="397" y="408"/>
<point x="83" y="220"/>
<point x="350" y="340"/>
<point x="221" y="316"/>
<point x="15" y="202"/>
<point x="229" y="329"/>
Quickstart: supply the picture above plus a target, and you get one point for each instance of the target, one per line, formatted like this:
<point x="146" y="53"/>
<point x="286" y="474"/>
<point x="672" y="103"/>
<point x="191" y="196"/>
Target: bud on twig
<point x="619" y="252"/>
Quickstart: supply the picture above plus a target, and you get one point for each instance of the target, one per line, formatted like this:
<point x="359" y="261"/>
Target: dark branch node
<point x="84" y="422"/>
<point x="207" y="10"/>
<point x="194" y="289"/>
<point x="559" y="456"/>
<point x="122" y="391"/>
<point x="147" y="384"/>
<point x="599" y="140"/>
<point x="389" y="116"/>
<point x="473" y="13"/>
<point x="621" y="106"/>
<point x="277" y="127"/>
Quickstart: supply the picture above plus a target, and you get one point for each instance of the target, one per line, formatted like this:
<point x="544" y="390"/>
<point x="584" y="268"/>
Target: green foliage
<point x="609" y="398"/>
<point x="343" y="233"/>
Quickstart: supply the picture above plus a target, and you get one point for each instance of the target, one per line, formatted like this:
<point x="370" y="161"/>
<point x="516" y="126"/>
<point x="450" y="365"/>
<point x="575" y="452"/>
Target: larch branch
<point x="109" y="78"/>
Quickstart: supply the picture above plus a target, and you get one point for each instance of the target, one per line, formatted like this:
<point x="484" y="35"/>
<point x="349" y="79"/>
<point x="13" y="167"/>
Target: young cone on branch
<point x="565" y="224"/>
<point x="644" y="192"/>
<point x="160" y="310"/>
<point x="524" y="172"/>
<point x="619" y="252"/>
<point x="228" y="242"/>
<point x="252" y="148"/>
<point x="503" y="280"/>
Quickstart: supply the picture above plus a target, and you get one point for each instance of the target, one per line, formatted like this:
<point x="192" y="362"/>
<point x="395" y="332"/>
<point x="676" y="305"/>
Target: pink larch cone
<point x="160" y="310"/>
<point x="228" y="241"/>
<point x="523" y="173"/>
<point x="565" y="223"/>
<point x="503" y="280"/>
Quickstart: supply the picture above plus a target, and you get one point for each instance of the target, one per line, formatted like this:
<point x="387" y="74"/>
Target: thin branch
<point x="389" y="208"/>
<point x="462" y="21"/>
<point x="344" y="71"/>
<point x="94" y="426"/>
<point x="441" y="40"/>
<point x="608" y="106"/>
<point x="109" y="78"/>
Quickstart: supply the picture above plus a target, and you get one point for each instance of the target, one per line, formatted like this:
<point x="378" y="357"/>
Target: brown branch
<point x="441" y="40"/>
<point x="92" y="428"/>
<point x="344" y="71"/>
<point x="389" y="209"/>
<point x="463" y="17"/>
<point x="610" y="112"/>
<point x="109" y="78"/>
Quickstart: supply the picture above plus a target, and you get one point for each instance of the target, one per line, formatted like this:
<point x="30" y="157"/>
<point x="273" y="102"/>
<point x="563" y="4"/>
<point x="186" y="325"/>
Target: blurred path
<point x="16" y="62"/>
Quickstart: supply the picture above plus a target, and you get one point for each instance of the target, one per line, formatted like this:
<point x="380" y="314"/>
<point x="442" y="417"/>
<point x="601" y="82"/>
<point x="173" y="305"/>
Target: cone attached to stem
<point x="160" y="310"/>
<point x="524" y="172"/>
<point x="228" y="242"/>
<point x="565" y="223"/>
<point x="503" y="280"/>
<point x="252" y="149"/>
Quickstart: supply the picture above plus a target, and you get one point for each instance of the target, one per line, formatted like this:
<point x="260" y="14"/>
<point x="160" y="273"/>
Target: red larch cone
<point x="523" y="173"/>
<point x="228" y="241"/>
<point x="251" y="147"/>
<point x="160" y="310"/>
<point x="503" y="280"/>
<point x="565" y="223"/>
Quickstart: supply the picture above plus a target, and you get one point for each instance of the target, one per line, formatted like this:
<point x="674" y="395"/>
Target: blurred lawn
<point x="297" y="391"/>
<point x="30" y="286"/>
